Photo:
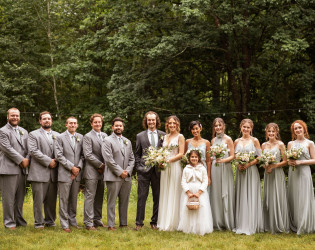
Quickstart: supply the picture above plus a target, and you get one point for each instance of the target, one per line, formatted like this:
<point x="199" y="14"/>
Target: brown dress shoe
<point x="90" y="228"/>
<point x="111" y="228"/>
<point x="138" y="227"/>
<point x="11" y="228"/>
<point x="154" y="227"/>
<point x="67" y="230"/>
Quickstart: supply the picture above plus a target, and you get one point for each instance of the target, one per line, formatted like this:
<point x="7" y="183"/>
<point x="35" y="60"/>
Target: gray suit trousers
<point x="120" y="189"/>
<point x="13" y="193"/>
<point x="44" y="193"/>
<point x="68" y="196"/>
<point x="93" y="202"/>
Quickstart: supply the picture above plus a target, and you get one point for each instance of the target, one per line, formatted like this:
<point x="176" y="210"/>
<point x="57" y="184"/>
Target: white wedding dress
<point x="170" y="192"/>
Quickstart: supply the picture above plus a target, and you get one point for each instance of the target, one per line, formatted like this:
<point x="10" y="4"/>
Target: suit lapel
<point x="96" y="138"/>
<point x="19" y="140"/>
<point x="146" y="139"/>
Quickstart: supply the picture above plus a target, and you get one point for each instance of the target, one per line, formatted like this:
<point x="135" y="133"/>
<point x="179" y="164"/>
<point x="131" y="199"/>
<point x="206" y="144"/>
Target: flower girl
<point x="194" y="184"/>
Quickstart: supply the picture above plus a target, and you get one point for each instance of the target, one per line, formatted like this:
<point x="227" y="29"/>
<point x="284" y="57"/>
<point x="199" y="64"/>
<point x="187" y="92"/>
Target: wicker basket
<point x="193" y="203"/>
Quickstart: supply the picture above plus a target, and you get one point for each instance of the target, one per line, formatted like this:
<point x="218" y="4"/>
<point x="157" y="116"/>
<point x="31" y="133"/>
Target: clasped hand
<point x="124" y="174"/>
<point x="24" y="163"/>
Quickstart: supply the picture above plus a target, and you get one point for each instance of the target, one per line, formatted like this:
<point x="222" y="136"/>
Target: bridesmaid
<point x="222" y="189"/>
<point x="201" y="144"/>
<point x="248" y="209"/>
<point x="275" y="206"/>
<point x="300" y="185"/>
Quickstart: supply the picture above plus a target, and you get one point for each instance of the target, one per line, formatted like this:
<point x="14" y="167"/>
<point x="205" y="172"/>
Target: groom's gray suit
<point x="117" y="158"/>
<point x="13" y="150"/>
<point x="42" y="177"/>
<point x="68" y="156"/>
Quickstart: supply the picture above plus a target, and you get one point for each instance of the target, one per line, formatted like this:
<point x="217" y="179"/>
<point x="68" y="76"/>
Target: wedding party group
<point x="192" y="181"/>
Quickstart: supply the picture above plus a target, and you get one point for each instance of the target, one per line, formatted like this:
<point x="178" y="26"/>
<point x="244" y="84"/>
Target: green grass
<point x="53" y="238"/>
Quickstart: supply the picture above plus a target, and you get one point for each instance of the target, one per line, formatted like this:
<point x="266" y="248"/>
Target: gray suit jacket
<point x="42" y="153"/>
<point x="12" y="150"/>
<point x="142" y="143"/>
<point x="92" y="150"/>
<point x="68" y="156"/>
<point x="117" y="158"/>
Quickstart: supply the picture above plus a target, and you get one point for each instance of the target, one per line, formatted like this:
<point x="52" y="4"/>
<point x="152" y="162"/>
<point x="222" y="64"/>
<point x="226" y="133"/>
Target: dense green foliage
<point x="185" y="57"/>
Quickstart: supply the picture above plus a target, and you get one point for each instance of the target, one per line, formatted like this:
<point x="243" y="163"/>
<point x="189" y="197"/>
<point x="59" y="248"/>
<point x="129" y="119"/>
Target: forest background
<point x="198" y="59"/>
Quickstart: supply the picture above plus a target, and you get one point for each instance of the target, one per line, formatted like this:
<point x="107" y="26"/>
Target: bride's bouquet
<point x="218" y="151"/>
<point x="157" y="157"/>
<point x="293" y="154"/>
<point x="267" y="158"/>
<point x="242" y="158"/>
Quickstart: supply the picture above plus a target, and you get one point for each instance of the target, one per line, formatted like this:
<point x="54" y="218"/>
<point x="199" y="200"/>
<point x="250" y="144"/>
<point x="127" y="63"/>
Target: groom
<point x="147" y="174"/>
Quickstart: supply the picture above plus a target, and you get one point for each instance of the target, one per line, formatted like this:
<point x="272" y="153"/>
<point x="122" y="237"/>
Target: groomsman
<point x="14" y="160"/>
<point x="43" y="171"/>
<point x="69" y="153"/>
<point x="148" y="175"/>
<point x="94" y="174"/>
<point x="119" y="159"/>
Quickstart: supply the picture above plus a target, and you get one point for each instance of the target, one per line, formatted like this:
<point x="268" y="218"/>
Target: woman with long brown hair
<point x="275" y="205"/>
<point x="300" y="186"/>
<point x="222" y="188"/>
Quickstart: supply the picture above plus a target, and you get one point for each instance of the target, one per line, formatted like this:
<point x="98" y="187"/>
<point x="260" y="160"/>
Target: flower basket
<point x="193" y="203"/>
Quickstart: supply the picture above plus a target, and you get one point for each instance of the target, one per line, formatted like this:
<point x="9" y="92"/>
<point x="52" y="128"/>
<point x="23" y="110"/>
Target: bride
<point x="170" y="190"/>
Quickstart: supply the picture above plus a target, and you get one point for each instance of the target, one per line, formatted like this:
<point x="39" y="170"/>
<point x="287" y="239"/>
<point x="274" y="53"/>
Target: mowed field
<point x="56" y="238"/>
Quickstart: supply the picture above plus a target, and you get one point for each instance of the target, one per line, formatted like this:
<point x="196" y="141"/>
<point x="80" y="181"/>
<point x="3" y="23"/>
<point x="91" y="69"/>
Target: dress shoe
<point x="138" y="227"/>
<point x="154" y="227"/>
<point x="11" y="228"/>
<point x="90" y="228"/>
<point x="100" y="225"/>
<point x="39" y="227"/>
<point x="76" y="227"/>
<point x="111" y="228"/>
<point x="67" y="230"/>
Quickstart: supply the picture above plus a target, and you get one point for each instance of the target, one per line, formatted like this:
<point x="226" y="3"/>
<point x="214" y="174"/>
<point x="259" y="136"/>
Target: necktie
<point x="121" y="142"/>
<point x="73" y="141"/>
<point x="152" y="139"/>
<point x="17" y="133"/>
<point x="50" y="138"/>
<point x="99" y="136"/>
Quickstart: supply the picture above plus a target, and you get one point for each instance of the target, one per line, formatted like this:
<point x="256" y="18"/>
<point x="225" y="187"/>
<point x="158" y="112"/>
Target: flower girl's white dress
<point x="195" y="221"/>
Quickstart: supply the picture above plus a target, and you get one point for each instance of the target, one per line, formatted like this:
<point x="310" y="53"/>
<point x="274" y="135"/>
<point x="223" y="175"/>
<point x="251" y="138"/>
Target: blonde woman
<point x="170" y="185"/>
<point x="248" y="208"/>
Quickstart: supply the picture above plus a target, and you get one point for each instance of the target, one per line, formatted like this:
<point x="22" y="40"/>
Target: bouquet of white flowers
<point x="242" y="158"/>
<point x="218" y="151"/>
<point x="293" y="154"/>
<point x="157" y="157"/>
<point x="267" y="158"/>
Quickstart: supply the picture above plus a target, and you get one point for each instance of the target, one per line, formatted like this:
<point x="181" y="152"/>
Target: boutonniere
<point x="162" y="138"/>
<point x="54" y="137"/>
<point x="103" y="137"/>
<point x="21" y="132"/>
<point x="125" y="142"/>
<point x="77" y="138"/>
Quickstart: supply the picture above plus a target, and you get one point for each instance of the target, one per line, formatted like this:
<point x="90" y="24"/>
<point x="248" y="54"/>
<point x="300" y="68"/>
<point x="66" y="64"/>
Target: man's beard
<point x="117" y="133"/>
<point x="13" y="125"/>
<point x="46" y="126"/>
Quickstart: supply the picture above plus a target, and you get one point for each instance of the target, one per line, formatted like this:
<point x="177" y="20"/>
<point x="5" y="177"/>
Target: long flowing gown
<point x="170" y="192"/>
<point x="248" y="205"/>
<point x="301" y="195"/>
<point x="222" y="197"/>
<point x="275" y="203"/>
<point x="195" y="221"/>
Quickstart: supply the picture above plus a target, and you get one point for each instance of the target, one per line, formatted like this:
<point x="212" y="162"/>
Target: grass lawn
<point x="55" y="238"/>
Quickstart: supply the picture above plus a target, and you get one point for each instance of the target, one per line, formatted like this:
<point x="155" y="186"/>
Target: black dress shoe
<point x="154" y="227"/>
